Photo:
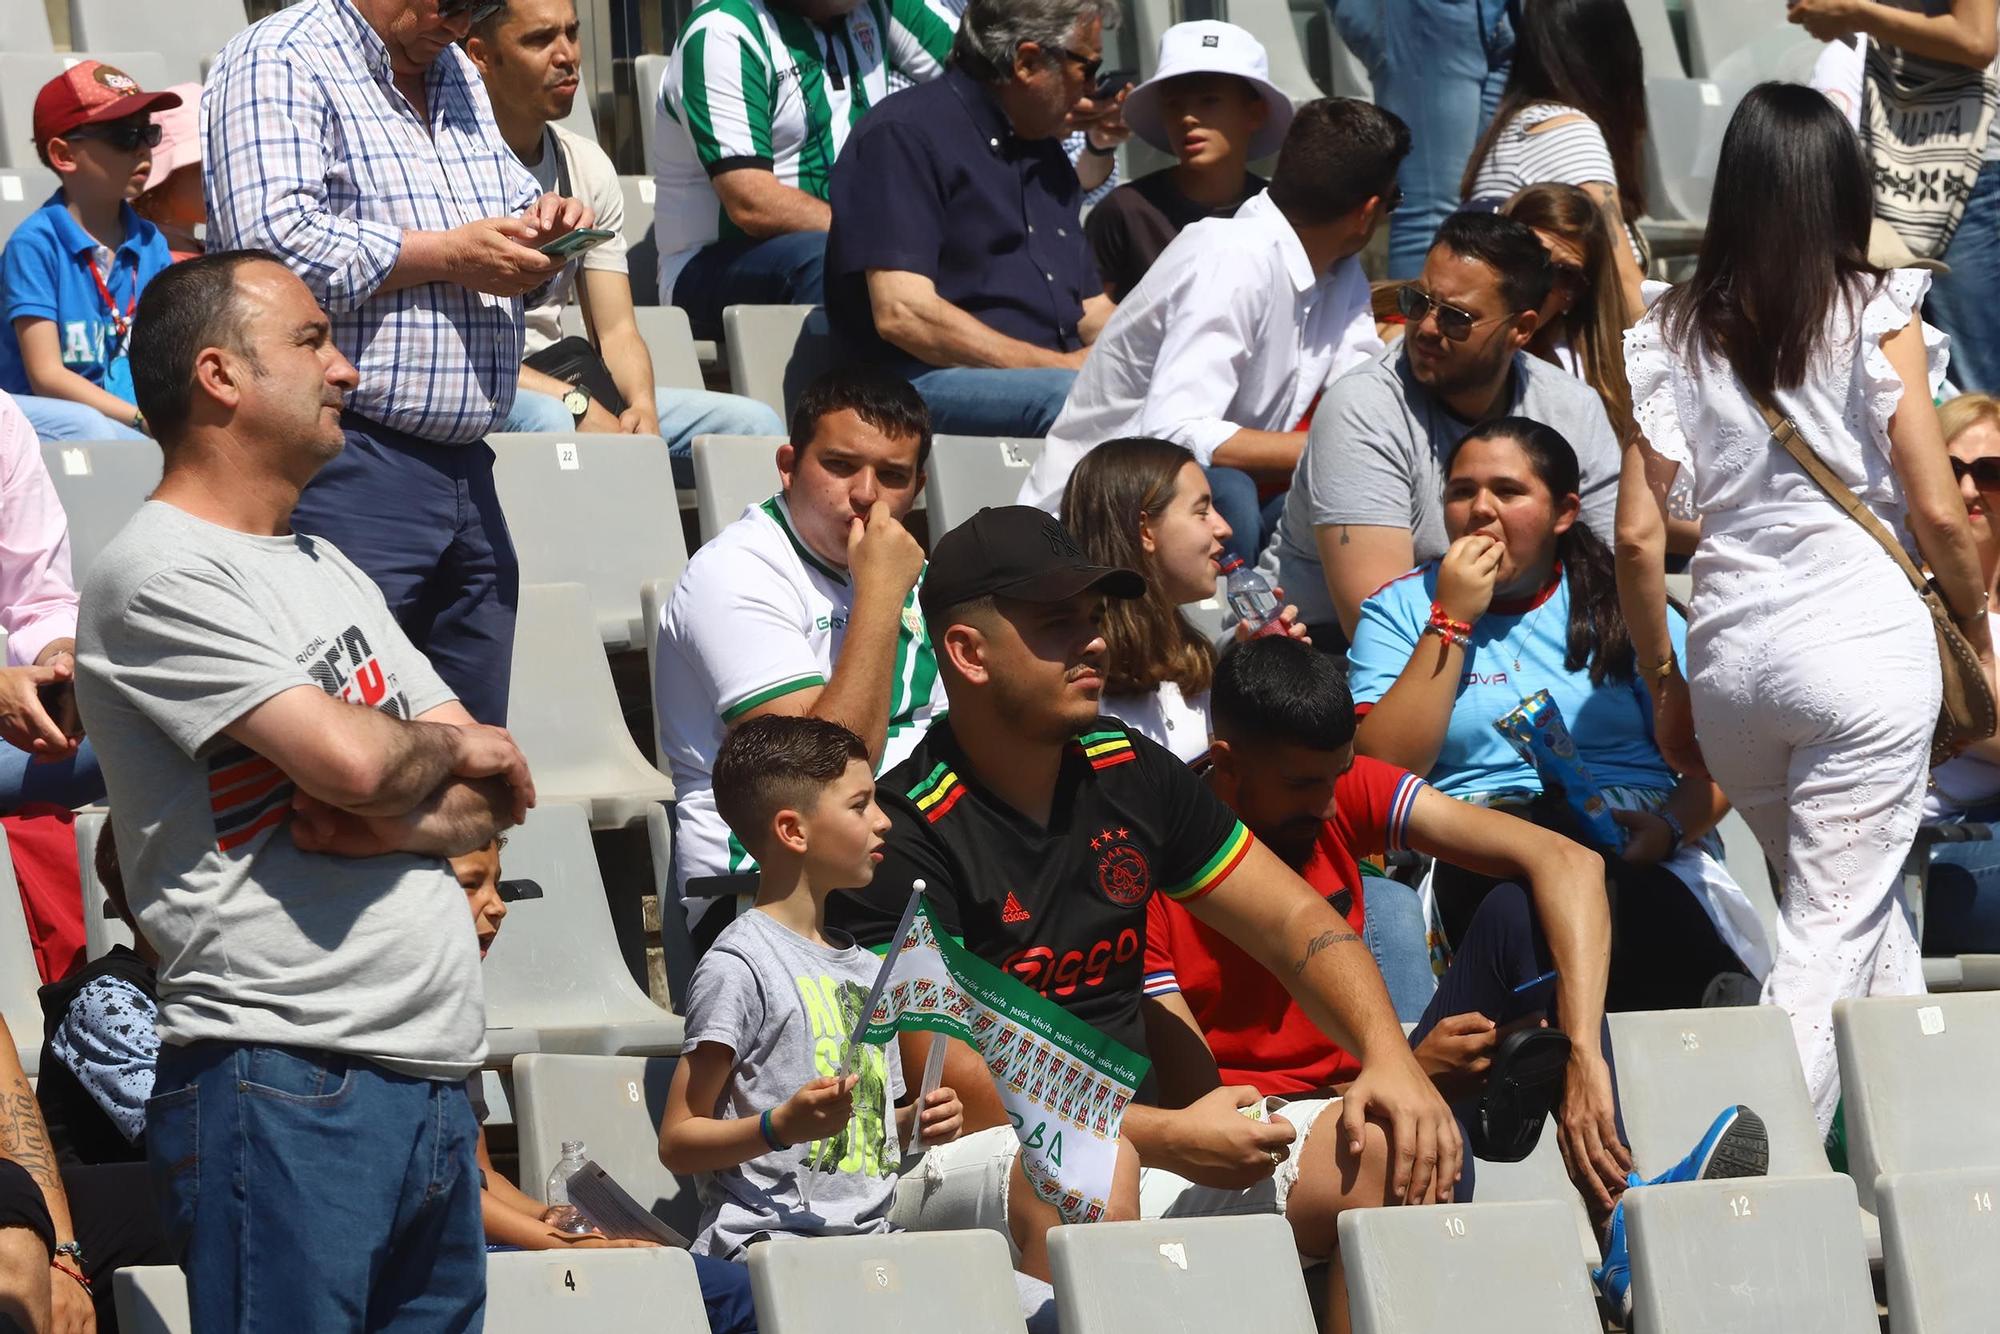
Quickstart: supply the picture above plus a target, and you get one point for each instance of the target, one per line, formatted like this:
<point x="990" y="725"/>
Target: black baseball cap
<point x="1017" y="551"/>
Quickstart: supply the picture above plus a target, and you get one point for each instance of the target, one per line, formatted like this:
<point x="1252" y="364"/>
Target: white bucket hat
<point x="1208" y="46"/>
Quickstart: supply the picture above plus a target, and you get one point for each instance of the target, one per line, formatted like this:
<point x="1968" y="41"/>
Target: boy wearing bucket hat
<point x="1213" y="107"/>
<point x="172" y="199"/>
<point x="71" y="274"/>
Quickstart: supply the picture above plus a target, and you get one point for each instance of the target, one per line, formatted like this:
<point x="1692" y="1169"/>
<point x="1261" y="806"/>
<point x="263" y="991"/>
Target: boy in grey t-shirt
<point x="757" y="1100"/>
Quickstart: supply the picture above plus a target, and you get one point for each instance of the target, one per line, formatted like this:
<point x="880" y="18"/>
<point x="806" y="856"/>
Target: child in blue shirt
<point x="71" y="275"/>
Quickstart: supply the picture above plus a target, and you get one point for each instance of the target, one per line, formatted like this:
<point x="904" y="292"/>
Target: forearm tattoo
<point x="25" y="1139"/>
<point x="1319" y="942"/>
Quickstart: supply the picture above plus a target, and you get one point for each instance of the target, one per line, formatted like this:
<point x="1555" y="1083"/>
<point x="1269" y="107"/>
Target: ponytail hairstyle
<point x="1117" y="485"/>
<point x="1597" y="636"/>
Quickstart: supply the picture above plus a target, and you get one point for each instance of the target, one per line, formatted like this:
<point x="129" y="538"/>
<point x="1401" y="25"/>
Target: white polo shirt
<point x="756" y="616"/>
<point x="1208" y="344"/>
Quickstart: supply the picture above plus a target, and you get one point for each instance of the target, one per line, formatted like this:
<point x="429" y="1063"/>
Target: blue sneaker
<point x="1736" y="1145"/>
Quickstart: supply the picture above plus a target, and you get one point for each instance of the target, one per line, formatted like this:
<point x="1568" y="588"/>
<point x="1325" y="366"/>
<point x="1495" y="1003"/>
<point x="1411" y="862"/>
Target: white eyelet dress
<point x="1812" y="665"/>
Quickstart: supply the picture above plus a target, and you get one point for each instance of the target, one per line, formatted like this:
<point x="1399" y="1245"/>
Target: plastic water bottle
<point x="1251" y="599"/>
<point x="562" y="1215"/>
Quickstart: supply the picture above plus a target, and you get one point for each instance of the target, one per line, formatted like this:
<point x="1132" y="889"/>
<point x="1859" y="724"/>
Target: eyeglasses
<point x="1088" y="64"/>
<point x="478" y="11"/>
<point x="1453" y="323"/>
<point x="1985" y="472"/>
<point x="124" y="138"/>
<point x="1393" y="200"/>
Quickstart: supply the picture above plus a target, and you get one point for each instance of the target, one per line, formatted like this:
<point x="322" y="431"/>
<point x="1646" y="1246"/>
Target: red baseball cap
<point x="90" y="93"/>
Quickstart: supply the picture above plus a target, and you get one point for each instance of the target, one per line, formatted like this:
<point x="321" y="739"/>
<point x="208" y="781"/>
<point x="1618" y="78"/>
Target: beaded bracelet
<point x="770" y="1135"/>
<point x="1445" y="628"/>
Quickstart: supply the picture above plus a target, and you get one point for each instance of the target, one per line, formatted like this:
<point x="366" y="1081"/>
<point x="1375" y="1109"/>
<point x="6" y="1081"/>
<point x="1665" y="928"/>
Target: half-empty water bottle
<point x="562" y="1215"/>
<point x="1251" y="599"/>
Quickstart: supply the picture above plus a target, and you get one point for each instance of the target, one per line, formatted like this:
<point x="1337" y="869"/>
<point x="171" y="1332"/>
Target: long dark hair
<point x="1149" y="641"/>
<point x="1597" y="636"/>
<point x="1585" y="54"/>
<point x="1787" y="232"/>
<point x="1596" y="321"/>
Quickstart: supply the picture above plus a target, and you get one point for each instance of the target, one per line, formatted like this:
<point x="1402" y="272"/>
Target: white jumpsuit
<point x="1812" y="665"/>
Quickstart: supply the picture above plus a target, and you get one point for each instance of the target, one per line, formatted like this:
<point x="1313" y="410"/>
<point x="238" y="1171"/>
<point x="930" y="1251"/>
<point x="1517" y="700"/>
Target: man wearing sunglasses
<point x="353" y="140"/>
<point x="72" y="272"/>
<point x="1367" y="500"/>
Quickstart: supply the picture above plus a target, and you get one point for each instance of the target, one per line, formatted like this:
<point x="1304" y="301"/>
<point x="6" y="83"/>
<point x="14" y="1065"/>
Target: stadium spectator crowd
<point x="1320" y="866"/>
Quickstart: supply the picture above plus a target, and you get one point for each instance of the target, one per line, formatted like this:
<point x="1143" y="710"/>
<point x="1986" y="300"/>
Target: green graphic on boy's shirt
<point x="833" y="1007"/>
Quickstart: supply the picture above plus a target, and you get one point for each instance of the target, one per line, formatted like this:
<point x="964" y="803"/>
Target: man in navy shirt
<point x="971" y="273"/>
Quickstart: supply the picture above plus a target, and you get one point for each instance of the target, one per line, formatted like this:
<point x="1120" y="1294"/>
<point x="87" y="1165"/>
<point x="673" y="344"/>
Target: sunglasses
<point x="1394" y="200"/>
<point x="1568" y="275"/>
<point x="477" y="10"/>
<point x="1985" y="472"/>
<point x="1455" y="324"/>
<point x="124" y="138"/>
<point x="1089" y="65"/>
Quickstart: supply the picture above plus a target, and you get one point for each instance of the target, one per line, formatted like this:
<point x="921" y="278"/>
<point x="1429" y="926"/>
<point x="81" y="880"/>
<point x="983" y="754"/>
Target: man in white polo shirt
<point x="805" y="605"/>
<point x="1208" y="352"/>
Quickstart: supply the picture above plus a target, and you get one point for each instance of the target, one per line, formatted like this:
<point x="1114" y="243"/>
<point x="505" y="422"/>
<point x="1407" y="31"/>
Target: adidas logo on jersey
<point x="1012" y="913"/>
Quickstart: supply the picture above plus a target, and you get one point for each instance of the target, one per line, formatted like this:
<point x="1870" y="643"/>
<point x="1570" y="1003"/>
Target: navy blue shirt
<point x="45" y="274"/>
<point x="935" y="181"/>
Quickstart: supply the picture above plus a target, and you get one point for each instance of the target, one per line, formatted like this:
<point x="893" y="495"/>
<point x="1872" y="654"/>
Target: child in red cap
<point x="71" y="274"/>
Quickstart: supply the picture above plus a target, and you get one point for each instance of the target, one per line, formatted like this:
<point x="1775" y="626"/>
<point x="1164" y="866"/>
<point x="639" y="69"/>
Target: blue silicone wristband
<point x="770" y="1135"/>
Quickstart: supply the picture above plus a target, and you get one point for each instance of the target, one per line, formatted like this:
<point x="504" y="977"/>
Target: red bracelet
<point x="1445" y="628"/>
<point x="62" y="1268"/>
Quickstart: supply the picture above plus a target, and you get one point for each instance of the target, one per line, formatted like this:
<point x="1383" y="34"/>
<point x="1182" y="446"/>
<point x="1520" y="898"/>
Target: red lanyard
<point x="120" y="324"/>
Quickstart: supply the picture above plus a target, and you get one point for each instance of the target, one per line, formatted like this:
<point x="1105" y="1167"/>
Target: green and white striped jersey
<point x="757" y="616"/>
<point x="752" y="83"/>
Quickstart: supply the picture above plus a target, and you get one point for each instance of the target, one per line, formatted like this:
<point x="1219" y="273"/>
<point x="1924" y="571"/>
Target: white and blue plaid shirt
<point x="313" y="155"/>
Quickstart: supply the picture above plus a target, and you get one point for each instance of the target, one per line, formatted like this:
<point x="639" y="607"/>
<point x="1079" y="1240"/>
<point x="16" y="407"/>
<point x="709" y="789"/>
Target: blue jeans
<point x="69" y="783"/>
<point x="1439" y="65"/>
<point x="1251" y="522"/>
<point x="725" y="1292"/>
<point x="316" y="1192"/>
<point x="1018" y="403"/>
<point x="1396" y="935"/>
<point x="424" y="522"/>
<point x="684" y="414"/>
<point x="777" y="271"/>
<point x="1962" y="892"/>
<point x="1961" y="302"/>
<point x="60" y="419"/>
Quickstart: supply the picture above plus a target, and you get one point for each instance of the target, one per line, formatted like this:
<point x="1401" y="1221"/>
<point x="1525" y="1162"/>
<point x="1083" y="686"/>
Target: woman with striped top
<point x="1573" y="112"/>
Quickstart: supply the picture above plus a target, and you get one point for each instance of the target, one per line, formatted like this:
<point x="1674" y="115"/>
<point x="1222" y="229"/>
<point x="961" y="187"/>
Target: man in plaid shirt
<point x="353" y="140"/>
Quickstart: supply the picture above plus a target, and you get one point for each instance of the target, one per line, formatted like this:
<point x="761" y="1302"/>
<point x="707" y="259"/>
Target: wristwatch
<point x="576" y="402"/>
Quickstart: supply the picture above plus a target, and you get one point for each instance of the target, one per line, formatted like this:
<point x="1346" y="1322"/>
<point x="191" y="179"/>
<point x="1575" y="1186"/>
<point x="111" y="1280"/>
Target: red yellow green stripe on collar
<point x="1217" y="869"/>
<point x="938" y="793"/>
<point x="1104" y="749"/>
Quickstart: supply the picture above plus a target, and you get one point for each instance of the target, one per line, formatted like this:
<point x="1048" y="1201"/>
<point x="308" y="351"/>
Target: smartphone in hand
<point x="571" y="244"/>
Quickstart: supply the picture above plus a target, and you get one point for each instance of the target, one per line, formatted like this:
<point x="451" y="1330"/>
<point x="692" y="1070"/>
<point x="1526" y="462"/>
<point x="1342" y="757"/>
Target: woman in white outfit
<point x="1812" y="680"/>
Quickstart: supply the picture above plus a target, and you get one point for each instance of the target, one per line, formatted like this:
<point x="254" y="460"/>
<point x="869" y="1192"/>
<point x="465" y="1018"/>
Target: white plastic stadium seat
<point x="566" y="716"/>
<point x="1656" y="39"/>
<point x="1447" y="1268"/>
<point x="970" y="472"/>
<point x="614" y="1105"/>
<point x="774" y="351"/>
<point x="1540" y="1178"/>
<point x="1717" y="29"/>
<point x="647" y="74"/>
<point x="1940" y="1234"/>
<point x="533" y="1292"/>
<point x="101" y="484"/>
<point x="1754" y="1255"/>
<point x="1270" y="22"/>
<point x="151" y="1299"/>
<point x="1349" y="76"/>
<point x="961" y="1281"/>
<point x="556" y="967"/>
<point x="22" y="74"/>
<point x="1687" y="118"/>
<point x="1919" y="1084"/>
<point x="22" y="191"/>
<point x="597" y="510"/>
<point x="19" y="979"/>
<point x="1180" y="1273"/>
<point x="184" y="34"/>
<point x="671" y="341"/>
<point x="102" y="928"/>
<point x="732" y="473"/>
<point x="26" y="23"/>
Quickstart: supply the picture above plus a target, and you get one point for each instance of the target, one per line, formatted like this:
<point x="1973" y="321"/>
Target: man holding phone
<point x="421" y="243"/>
<point x="528" y="55"/>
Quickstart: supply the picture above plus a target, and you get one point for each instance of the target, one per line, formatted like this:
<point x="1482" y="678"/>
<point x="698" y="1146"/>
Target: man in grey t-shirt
<point x="286" y="776"/>
<point x="1367" y="499"/>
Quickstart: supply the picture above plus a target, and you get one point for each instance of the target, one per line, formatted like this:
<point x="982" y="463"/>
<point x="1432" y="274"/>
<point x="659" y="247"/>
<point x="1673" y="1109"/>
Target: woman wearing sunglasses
<point x="1525" y="600"/>
<point x="1583" y="322"/>
<point x="1812" y="684"/>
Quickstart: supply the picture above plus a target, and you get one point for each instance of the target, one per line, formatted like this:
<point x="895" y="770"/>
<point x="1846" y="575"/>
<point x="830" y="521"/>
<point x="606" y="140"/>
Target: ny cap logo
<point x="1060" y="542"/>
